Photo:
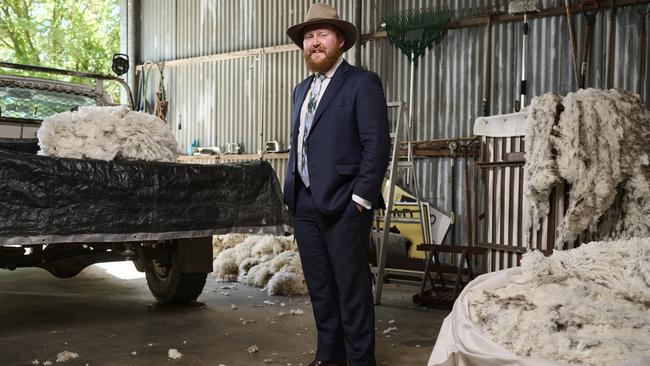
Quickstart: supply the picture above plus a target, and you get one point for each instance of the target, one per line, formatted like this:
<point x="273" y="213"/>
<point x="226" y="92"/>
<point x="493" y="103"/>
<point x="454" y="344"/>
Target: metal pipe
<point x="88" y="75"/>
<point x="132" y="40"/>
<point x="410" y="121"/>
<point x="358" y="19"/>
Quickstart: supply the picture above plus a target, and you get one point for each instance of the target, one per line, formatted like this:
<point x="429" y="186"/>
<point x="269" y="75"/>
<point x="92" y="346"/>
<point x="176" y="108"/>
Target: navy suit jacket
<point x="349" y="141"/>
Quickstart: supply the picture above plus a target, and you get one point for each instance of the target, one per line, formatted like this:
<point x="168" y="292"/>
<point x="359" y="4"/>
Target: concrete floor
<point x="112" y="321"/>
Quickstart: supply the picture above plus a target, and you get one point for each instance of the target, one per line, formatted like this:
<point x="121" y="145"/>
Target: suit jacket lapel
<point x="330" y="92"/>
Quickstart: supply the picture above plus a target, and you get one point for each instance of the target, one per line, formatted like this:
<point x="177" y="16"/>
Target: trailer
<point x="64" y="214"/>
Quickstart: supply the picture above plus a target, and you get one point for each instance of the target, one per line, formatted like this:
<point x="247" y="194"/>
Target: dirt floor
<point x="107" y="316"/>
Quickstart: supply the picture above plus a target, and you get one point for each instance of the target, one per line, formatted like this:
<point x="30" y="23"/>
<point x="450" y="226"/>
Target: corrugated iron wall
<point x="157" y="30"/>
<point x="247" y="100"/>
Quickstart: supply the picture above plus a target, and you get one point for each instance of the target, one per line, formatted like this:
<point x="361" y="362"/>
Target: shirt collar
<point x="329" y="73"/>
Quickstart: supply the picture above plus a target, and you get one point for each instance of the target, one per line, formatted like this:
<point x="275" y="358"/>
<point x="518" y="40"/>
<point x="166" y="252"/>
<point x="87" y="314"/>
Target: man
<point x="339" y="153"/>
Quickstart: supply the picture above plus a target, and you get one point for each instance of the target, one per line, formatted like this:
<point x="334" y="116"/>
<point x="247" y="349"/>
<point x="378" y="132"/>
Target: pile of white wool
<point x="589" y="305"/>
<point x="597" y="141"/>
<point x="269" y="262"/>
<point x="107" y="133"/>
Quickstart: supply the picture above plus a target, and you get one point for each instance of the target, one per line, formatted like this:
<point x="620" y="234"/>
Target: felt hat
<point x="323" y="14"/>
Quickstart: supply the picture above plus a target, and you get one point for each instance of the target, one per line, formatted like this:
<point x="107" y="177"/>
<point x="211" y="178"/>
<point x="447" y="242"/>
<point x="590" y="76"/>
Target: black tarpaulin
<point x="45" y="199"/>
<point x="22" y="145"/>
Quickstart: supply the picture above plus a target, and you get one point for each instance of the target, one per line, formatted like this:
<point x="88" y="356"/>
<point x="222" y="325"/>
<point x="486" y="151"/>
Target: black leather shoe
<point x="321" y="363"/>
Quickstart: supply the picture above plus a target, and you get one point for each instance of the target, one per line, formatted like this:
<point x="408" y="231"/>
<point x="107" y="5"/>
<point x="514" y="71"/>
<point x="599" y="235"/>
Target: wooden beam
<point x="439" y="148"/>
<point x="505" y="248"/>
<point x="223" y="158"/>
<point x="228" y="55"/>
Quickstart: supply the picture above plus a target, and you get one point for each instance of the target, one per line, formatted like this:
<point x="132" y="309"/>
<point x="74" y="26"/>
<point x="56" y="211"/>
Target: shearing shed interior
<point x="362" y="182"/>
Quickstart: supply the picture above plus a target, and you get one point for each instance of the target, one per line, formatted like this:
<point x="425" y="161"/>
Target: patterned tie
<point x="309" y="118"/>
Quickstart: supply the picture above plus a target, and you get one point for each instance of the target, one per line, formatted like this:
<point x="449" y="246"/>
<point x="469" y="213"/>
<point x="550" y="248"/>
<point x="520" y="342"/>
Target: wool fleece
<point x="107" y="133"/>
<point x="266" y="261"/>
<point x="586" y="306"/>
<point x="598" y="142"/>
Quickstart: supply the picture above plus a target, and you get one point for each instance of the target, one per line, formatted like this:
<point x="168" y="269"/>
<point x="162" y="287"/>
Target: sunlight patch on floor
<point x="122" y="270"/>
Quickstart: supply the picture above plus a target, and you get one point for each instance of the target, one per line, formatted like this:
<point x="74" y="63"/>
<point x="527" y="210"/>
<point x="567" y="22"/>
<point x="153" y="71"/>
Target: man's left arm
<point x="372" y="121"/>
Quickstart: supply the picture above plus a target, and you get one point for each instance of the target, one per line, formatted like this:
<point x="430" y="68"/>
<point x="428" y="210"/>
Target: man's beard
<point x="322" y="66"/>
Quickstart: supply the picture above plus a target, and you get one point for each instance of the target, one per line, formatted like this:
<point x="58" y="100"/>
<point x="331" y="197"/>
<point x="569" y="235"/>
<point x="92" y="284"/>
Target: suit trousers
<point x="334" y="253"/>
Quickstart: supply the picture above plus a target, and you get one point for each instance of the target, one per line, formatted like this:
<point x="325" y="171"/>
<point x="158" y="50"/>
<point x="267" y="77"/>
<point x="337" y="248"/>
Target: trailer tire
<point x="169" y="286"/>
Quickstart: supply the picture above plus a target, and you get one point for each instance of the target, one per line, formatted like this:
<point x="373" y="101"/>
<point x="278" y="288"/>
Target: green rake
<point x="412" y="31"/>
<point x="415" y="30"/>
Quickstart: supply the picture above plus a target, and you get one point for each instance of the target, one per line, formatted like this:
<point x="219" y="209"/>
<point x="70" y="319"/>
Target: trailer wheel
<point x="168" y="285"/>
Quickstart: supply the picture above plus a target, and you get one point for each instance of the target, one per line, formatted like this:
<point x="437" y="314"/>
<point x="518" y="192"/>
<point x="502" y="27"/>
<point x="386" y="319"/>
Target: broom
<point x="524" y="7"/>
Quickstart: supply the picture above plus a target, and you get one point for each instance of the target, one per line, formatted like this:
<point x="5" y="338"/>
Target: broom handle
<point x="524" y="44"/>
<point x="487" y="67"/>
<point x="642" y="38"/>
<point x="410" y="122"/>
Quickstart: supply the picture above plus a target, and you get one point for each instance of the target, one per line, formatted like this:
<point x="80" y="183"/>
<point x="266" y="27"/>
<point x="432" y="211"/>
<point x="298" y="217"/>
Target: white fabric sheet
<point x="460" y="343"/>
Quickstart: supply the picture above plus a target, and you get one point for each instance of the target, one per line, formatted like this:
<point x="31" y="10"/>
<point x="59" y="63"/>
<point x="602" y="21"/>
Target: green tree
<point x="69" y="34"/>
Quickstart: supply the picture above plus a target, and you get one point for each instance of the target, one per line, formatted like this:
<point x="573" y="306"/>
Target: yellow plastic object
<point x="411" y="231"/>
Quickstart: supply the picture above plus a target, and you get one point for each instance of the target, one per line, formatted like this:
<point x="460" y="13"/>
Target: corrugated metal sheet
<point x="247" y="100"/>
<point x="270" y="29"/>
<point x="158" y="30"/>
<point x="449" y="84"/>
<point x="243" y="100"/>
<point x="173" y="29"/>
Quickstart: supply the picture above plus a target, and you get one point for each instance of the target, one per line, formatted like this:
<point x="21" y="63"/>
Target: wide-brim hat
<point x="323" y="14"/>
